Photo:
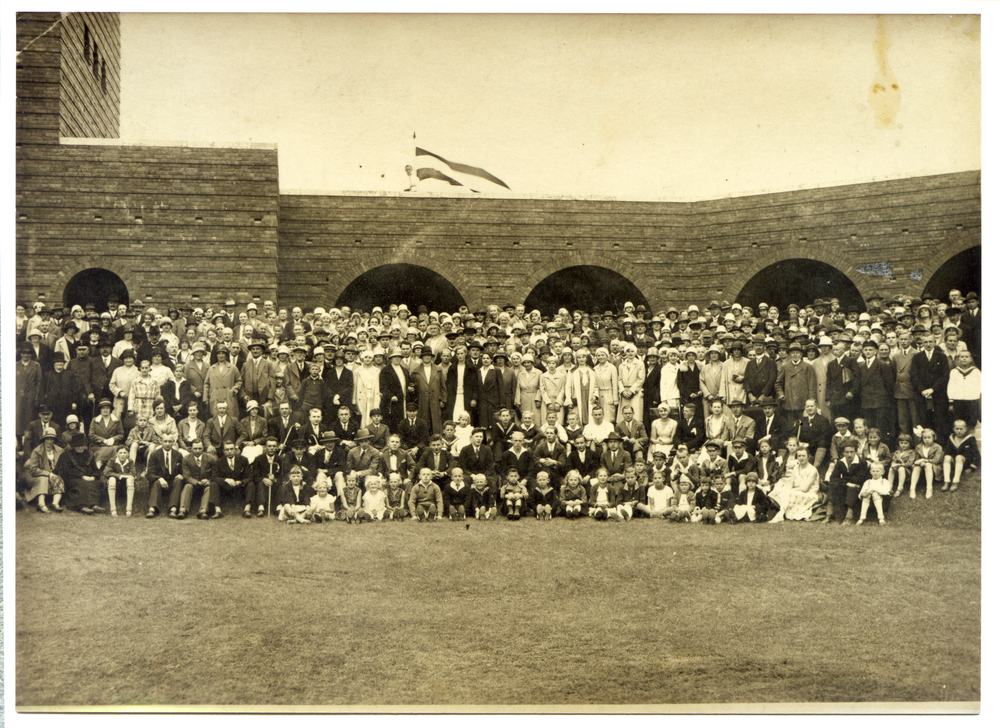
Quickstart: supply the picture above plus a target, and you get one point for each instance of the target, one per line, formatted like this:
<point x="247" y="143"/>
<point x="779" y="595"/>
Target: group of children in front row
<point x="863" y="472"/>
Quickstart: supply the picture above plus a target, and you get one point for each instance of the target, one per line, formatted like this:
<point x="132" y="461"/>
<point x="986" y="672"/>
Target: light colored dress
<point x="527" y="393"/>
<point x="661" y="430"/>
<point x="606" y="381"/>
<point x="798" y="492"/>
<point x="631" y="376"/>
<point x="219" y="383"/>
<point x="367" y="395"/>
<point x="553" y="388"/>
<point x="731" y="390"/>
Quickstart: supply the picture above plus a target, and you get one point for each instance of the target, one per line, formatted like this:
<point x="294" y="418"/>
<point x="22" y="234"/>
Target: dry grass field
<point x="233" y="612"/>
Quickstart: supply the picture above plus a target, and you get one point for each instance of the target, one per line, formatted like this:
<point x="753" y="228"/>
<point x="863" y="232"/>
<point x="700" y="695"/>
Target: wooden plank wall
<point x="88" y="108"/>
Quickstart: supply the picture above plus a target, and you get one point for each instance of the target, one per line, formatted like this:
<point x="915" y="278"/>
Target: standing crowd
<point x="713" y="414"/>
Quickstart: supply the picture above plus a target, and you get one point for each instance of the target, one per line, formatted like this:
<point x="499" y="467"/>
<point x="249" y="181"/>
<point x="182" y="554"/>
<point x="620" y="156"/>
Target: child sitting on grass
<point x="142" y="441"/>
<point x="960" y="450"/>
<point x="350" y="500"/>
<point x="603" y="498"/>
<point x="873" y="449"/>
<point x="395" y="498"/>
<point x="706" y="500"/>
<point x="752" y="503"/>
<point x="659" y="497"/>
<point x="322" y="505"/>
<point x="513" y="495"/>
<point x="479" y="501"/>
<point x="927" y="463"/>
<point x="544" y="499"/>
<point x="902" y="463"/>
<point x="120" y="469"/>
<point x="373" y="502"/>
<point x="572" y="496"/>
<point x="631" y="493"/>
<point x="455" y="494"/>
<point x="849" y="474"/>
<point x="294" y="498"/>
<point x="841" y="436"/>
<point x="684" y="500"/>
<point x="874" y="489"/>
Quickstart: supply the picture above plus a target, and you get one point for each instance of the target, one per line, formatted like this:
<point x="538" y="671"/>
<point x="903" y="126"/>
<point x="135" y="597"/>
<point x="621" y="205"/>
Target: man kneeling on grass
<point x="426" y="502"/>
<point x="294" y="499"/>
<point x="480" y="500"/>
<point x="513" y="495"/>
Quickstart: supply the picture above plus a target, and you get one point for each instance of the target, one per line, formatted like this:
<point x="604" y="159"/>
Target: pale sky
<point x="676" y="107"/>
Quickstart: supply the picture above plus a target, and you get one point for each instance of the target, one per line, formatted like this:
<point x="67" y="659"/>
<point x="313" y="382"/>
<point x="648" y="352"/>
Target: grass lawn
<point x="237" y="612"/>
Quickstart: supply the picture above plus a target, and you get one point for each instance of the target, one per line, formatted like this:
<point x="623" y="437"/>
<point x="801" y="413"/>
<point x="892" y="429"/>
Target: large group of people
<point x="721" y="413"/>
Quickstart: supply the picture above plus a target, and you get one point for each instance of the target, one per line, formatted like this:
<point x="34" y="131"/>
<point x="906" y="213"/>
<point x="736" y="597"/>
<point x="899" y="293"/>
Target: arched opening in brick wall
<point x="963" y="271"/>
<point x="585" y="287"/>
<point x="399" y="283"/>
<point x="96" y="286"/>
<point x="799" y="281"/>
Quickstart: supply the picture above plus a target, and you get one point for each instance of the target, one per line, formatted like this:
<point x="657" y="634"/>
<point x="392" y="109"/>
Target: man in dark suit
<point x="102" y="366"/>
<point x="177" y="393"/>
<point x="771" y="424"/>
<point x="842" y="381"/>
<point x="929" y="373"/>
<point x="582" y="459"/>
<point x="760" y="375"/>
<point x="266" y="477"/>
<point x="489" y="392"/>
<point x="221" y="428"/>
<point x="414" y="432"/>
<point x="690" y="429"/>
<point x="198" y="468"/>
<point x="394" y="381"/>
<point x="815" y="432"/>
<point x="165" y="471"/>
<point x="231" y="473"/>
<point x="283" y="422"/>
<point x="437" y="459"/>
<point x="507" y="381"/>
<point x="339" y="384"/>
<point x="477" y="459"/>
<point x="394" y="459"/>
<point x="971" y="326"/>
<point x="877" y="384"/>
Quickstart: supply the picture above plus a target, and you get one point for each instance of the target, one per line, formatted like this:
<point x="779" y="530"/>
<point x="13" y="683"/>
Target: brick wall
<point x="675" y="253"/>
<point x="172" y="222"/>
<point x="39" y="44"/>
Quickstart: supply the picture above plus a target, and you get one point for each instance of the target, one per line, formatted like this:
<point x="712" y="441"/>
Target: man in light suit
<point x="257" y="376"/>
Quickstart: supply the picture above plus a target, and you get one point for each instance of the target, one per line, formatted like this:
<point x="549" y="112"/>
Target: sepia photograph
<point x="494" y="362"/>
